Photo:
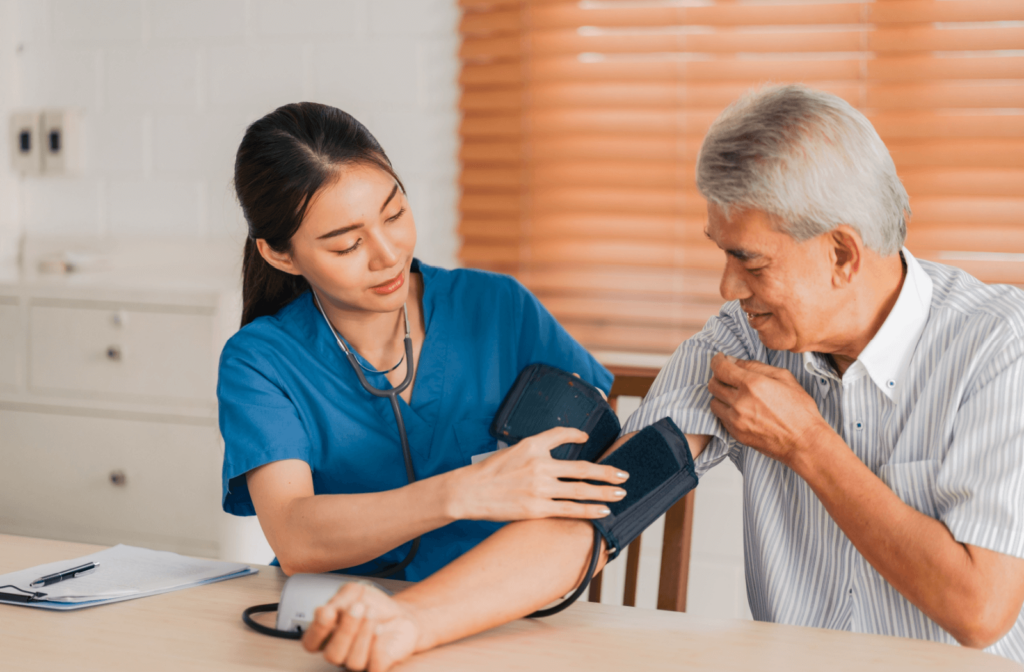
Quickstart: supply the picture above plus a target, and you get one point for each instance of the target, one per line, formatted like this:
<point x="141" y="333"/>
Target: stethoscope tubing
<point x="392" y="396"/>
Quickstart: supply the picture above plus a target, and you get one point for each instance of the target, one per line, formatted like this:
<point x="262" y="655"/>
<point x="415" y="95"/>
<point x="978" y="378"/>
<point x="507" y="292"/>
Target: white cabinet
<point x="10" y="337"/>
<point x="108" y="411"/>
<point x="111" y="480"/>
<point x="134" y="351"/>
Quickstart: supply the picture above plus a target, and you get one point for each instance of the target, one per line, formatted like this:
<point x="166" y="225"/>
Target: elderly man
<point x="874" y="404"/>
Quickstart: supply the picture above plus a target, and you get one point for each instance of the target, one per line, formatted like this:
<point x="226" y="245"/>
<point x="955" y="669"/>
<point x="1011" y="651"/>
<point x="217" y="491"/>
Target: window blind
<point x="581" y="123"/>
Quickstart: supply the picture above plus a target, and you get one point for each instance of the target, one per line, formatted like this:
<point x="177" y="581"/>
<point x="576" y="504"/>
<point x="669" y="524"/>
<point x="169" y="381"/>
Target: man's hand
<point x="764" y="407"/>
<point x="362" y="629"/>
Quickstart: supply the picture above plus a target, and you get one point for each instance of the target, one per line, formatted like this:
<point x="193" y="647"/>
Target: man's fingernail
<point x="619" y="493"/>
<point x="605" y="511"/>
<point x="357" y="610"/>
<point x="621" y="474"/>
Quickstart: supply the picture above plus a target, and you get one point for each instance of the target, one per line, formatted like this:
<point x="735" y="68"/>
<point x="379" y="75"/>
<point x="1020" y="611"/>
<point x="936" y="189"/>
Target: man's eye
<point x="755" y="271"/>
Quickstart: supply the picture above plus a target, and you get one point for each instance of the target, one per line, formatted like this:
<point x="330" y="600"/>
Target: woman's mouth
<point x="392" y="285"/>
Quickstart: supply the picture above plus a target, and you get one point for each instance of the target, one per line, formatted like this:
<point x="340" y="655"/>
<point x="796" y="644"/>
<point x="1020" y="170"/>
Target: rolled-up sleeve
<point x="680" y="391"/>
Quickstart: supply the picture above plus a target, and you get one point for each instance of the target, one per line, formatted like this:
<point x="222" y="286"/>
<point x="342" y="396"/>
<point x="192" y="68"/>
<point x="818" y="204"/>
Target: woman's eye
<point x="351" y="249"/>
<point x="395" y="216"/>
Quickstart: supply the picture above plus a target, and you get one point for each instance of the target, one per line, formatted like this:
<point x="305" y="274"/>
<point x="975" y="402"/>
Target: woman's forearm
<point x="517" y="570"/>
<point x="321" y="533"/>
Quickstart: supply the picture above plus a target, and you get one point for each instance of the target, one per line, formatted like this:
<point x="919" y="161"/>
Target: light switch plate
<point x="59" y="142"/>
<point x="26" y="157"/>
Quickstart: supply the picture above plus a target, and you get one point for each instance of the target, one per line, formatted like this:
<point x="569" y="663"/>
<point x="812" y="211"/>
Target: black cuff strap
<point x="661" y="472"/>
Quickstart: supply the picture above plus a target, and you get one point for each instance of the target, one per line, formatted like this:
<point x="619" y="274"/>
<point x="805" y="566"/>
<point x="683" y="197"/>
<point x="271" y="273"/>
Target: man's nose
<point x="733" y="285"/>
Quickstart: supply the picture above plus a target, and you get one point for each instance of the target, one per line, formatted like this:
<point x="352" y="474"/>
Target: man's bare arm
<point x="512" y="573"/>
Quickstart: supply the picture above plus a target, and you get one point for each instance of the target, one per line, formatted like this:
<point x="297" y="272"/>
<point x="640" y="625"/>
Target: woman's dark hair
<point x="285" y="158"/>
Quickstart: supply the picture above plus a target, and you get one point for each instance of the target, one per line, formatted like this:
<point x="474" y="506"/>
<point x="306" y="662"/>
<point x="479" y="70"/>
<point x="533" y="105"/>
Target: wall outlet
<point x="26" y="157"/>
<point x="59" y="142"/>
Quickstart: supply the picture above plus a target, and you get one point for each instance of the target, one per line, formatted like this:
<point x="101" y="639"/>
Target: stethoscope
<point x="392" y="395"/>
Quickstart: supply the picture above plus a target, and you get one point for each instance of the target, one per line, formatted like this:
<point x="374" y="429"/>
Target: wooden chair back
<point x="635" y="381"/>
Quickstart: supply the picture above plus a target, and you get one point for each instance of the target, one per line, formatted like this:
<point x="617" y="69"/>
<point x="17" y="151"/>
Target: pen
<point x="72" y="573"/>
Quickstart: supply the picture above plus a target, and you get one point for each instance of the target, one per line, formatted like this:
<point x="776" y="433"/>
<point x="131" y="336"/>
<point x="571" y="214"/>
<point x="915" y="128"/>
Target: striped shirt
<point x="934" y="406"/>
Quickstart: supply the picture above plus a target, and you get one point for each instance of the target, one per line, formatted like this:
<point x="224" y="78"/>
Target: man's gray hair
<point x="810" y="161"/>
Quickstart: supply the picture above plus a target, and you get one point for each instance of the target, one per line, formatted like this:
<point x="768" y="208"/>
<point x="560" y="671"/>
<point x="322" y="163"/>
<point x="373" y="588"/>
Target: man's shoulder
<point x="961" y="299"/>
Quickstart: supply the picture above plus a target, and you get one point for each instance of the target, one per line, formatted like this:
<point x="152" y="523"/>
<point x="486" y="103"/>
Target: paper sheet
<point x="124" y="572"/>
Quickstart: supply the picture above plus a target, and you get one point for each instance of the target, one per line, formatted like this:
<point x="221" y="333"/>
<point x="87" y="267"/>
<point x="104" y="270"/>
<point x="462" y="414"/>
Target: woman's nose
<point x="384" y="253"/>
<point x="733" y="286"/>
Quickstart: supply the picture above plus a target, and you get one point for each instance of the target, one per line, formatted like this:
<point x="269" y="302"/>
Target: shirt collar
<point x="886" y="357"/>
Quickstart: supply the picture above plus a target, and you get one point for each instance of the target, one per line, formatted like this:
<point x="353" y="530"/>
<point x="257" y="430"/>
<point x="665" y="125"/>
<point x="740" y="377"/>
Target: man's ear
<point x="848" y="253"/>
<point x="282" y="261"/>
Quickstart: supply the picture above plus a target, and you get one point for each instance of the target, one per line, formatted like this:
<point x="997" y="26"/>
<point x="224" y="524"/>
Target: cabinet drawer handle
<point x="114" y="353"/>
<point x="118" y="478"/>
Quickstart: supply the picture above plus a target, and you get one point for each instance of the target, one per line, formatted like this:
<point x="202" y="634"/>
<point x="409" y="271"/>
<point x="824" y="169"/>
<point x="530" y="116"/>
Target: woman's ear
<point x="848" y="252"/>
<point x="282" y="261"/>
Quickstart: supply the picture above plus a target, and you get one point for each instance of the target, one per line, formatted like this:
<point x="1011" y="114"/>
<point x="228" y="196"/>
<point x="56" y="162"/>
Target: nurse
<point x="308" y="449"/>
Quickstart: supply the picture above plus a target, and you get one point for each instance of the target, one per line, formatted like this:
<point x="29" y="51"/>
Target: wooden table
<point x="201" y="629"/>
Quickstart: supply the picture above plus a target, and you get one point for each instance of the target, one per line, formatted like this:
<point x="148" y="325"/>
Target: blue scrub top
<point x="287" y="391"/>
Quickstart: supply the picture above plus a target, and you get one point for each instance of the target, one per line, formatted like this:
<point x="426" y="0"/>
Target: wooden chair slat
<point x="632" y="568"/>
<point x="636" y="381"/>
<point x="675" y="555"/>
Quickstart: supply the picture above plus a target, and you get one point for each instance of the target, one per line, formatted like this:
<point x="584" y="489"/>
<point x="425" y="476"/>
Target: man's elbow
<point x="293" y="563"/>
<point x="296" y="557"/>
<point x="984" y="624"/>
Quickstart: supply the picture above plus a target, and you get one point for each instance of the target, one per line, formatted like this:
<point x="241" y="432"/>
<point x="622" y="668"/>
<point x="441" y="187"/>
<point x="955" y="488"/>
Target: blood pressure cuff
<point x="544" y="397"/>
<point x="661" y="472"/>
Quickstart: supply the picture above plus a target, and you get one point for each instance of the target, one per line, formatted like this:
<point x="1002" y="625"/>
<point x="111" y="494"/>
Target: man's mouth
<point x="756" y="319"/>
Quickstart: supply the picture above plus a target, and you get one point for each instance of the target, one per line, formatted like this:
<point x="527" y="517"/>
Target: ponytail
<point x="266" y="290"/>
<point x="284" y="159"/>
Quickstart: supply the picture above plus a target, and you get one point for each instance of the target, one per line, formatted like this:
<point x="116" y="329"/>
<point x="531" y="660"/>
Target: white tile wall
<point x="165" y="89"/>
<point x="99" y="22"/>
<point x="10" y="196"/>
<point x="178" y="21"/>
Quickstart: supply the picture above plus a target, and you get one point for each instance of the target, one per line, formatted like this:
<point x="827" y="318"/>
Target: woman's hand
<point x="524" y="482"/>
<point x="363" y="629"/>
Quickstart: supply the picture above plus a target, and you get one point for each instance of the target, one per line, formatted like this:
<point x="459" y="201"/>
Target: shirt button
<point x="891" y="383"/>
<point x="859" y="425"/>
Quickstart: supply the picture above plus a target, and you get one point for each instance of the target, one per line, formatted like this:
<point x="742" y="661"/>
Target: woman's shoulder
<point x="260" y="339"/>
<point x="469" y="283"/>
